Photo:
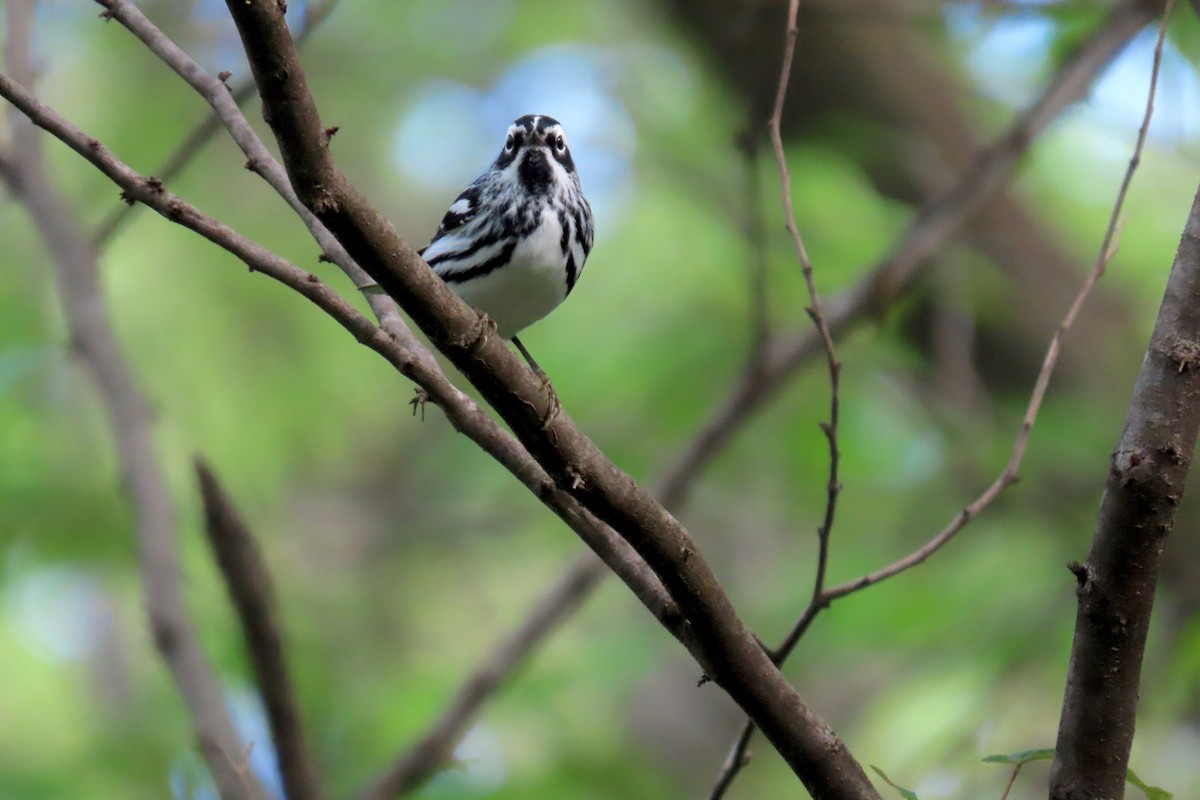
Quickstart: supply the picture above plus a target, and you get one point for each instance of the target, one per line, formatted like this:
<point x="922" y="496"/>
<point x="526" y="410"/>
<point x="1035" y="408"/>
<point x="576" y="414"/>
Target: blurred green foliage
<point x="402" y="554"/>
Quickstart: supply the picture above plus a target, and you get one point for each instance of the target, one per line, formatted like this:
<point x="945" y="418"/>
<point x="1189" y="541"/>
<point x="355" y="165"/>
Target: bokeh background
<point x="402" y="554"/>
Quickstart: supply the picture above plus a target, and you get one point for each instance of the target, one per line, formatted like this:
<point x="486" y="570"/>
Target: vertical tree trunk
<point x="1117" y="582"/>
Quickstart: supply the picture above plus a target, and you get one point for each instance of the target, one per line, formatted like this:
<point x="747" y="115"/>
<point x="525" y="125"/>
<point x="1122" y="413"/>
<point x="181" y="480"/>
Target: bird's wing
<point x="461" y="211"/>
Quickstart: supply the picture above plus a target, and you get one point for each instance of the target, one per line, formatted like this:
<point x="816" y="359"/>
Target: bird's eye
<point x="560" y="144"/>
<point x="510" y="144"/>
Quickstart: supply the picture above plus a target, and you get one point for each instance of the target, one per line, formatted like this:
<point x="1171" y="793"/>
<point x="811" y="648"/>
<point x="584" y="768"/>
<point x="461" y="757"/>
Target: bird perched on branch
<point x="515" y="241"/>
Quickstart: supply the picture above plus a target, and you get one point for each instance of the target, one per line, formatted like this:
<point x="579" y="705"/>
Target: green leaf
<point x="1152" y="792"/>
<point x="1023" y="757"/>
<point x="907" y="794"/>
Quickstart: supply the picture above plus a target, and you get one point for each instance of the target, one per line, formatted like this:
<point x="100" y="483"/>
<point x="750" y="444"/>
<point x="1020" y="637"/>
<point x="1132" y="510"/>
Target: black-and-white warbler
<point x="515" y="241"/>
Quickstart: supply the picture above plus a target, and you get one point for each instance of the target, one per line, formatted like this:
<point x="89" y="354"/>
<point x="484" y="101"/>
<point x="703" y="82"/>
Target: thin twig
<point x="815" y="310"/>
<point x="315" y="13"/>
<point x="251" y="589"/>
<point x="1012" y="779"/>
<point x="738" y="756"/>
<point x="95" y="344"/>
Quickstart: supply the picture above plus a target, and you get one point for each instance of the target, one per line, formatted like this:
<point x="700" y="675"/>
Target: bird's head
<point x="536" y="145"/>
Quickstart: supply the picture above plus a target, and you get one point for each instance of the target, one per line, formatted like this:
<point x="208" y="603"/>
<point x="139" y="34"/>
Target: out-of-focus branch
<point x="889" y="280"/>
<point x="252" y="592"/>
<point x="95" y="345"/>
<point x="239" y="92"/>
<point x="435" y="749"/>
<point x="1145" y="485"/>
<point x="728" y="652"/>
<point x="756" y="247"/>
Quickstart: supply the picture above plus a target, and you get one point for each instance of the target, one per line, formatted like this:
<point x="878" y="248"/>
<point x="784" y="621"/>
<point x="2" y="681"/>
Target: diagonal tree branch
<point x="251" y="590"/>
<point x="95" y="345"/>
<point x="728" y="652"/>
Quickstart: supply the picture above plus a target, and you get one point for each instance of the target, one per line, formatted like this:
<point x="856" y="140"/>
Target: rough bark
<point x="1117" y="581"/>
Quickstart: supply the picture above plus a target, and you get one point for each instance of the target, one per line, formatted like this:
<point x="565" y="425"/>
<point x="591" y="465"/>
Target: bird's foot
<point x="419" y="399"/>
<point x="553" y="409"/>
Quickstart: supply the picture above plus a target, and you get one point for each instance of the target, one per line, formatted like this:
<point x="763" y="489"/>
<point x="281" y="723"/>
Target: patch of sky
<point x="59" y="613"/>
<point x="1008" y="59"/>
<point x="1007" y="55"/>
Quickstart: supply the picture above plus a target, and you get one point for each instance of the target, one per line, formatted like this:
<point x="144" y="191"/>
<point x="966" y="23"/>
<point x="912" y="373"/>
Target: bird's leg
<point x="555" y="405"/>
<point x="541" y="373"/>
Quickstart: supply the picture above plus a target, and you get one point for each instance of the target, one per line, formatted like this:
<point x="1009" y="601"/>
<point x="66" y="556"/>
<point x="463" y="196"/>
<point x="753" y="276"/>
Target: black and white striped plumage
<point x="515" y="241"/>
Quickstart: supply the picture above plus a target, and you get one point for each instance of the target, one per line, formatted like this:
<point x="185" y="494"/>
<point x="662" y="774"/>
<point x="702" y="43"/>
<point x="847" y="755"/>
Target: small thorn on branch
<point x="330" y="133"/>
